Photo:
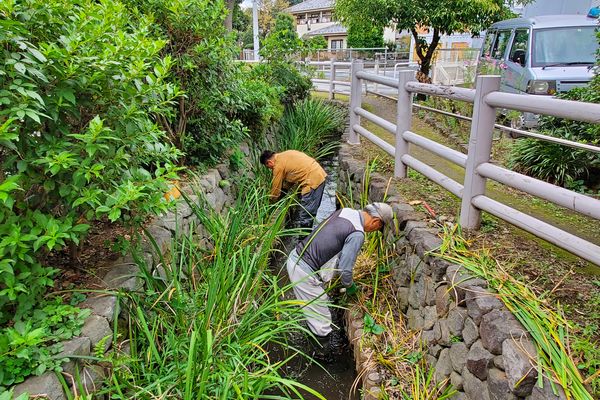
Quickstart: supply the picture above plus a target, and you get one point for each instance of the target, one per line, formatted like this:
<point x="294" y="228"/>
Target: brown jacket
<point x="295" y="167"/>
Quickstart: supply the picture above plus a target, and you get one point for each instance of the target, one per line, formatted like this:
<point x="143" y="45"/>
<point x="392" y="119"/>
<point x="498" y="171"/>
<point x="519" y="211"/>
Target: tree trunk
<point x="425" y="53"/>
<point x="230" y="4"/>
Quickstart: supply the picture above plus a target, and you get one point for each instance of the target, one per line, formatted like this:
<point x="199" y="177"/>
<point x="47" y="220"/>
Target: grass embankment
<point x="551" y="273"/>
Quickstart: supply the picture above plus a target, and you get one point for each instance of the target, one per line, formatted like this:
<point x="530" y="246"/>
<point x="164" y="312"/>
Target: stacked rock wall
<point x="472" y="340"/>
<point x="124" y="274"/>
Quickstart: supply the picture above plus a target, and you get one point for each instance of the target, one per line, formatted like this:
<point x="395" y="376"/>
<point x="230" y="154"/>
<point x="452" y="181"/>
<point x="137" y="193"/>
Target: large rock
<point x="456" y="320"/>
<point x="442" y="300"/>
<point x="92" y="378"/>
<point x="470" y="332"/>
<point x="436" y="268"/>
<point x="443" y="367"/>
<point x="104" y="306"/>
<point x="520" y="358"/>
<point x="546" y="392"/>
<point x="461" y="281"/>
<point x="480" y="302"/>
<point x="474" y="388"/>
<point x="456" y="380"/>
<point x="415" y="319"/>
<point x="47" y="386"/>
<point x="97" y="328"/>
<point x="72" y="350"/>
<point x="479" y="360"/>
<point x="458" y="355"/>
<point x="402" y="295"/>
<point x="430" y="317"/>
<point x="496" y="327"/>
<point x="426" y="241"/>
<point x="498" y="386"/>
<point x="123" y="275"/>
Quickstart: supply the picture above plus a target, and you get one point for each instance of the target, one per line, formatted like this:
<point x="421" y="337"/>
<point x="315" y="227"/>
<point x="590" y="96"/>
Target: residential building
<point x="315" y="18"/>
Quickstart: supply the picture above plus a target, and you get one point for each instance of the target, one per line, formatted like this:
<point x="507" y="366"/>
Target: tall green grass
<point x="205" y="332"/>
<point x="548" y="327"/>
<point x="310" y="127"/>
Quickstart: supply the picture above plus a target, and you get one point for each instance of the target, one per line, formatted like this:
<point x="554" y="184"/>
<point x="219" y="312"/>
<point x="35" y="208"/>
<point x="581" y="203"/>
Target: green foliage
<point x="203" y="331"/>
<point x="310" y="127"/>
<point x="293" y="83"/>
<point x="282" y="43"/>
<point x="361" y="35"/>
<point x="81" y="84"/>
<point x="29" y="347"/>
<point x="205" y="123"/>
<point x="261" y="106"/>
<point x="315" y="43"/>
<point x="441" y="16"/>
<point x="371" y="326"/>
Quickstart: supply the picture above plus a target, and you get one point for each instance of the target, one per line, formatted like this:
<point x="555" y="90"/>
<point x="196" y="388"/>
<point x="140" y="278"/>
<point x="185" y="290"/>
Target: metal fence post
<point x="403" y="121"/>
<point x="355" y="100"/>
<point x="331" y="78"/>
<point x="480" y="147"/>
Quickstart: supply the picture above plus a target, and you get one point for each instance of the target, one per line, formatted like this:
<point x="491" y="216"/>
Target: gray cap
<point x="382" y="211"/>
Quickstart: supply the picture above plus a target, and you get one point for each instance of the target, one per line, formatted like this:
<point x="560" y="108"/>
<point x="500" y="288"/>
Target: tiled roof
<point x="336" y="29"/>
<point x="310" y="5"/>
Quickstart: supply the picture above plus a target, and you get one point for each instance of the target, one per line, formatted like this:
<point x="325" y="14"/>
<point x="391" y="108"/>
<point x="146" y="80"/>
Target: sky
<point x="246" y="4"/>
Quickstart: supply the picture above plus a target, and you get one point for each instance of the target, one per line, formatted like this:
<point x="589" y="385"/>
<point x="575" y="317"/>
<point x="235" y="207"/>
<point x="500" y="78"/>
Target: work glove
<point x="351" y="290"/>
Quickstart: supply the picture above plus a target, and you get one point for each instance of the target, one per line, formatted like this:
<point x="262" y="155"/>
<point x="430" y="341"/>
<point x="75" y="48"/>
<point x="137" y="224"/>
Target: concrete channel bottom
<point x="333" y="380"/>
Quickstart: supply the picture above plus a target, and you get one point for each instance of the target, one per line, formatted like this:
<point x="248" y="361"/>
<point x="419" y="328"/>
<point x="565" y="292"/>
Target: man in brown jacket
<point x="293" y="167"/>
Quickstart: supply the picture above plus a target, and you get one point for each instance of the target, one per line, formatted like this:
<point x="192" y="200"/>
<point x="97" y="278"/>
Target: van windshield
<point x="575" y="45"/>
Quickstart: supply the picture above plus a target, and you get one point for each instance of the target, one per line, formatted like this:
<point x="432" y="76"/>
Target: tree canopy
<point x="441" y="16"/>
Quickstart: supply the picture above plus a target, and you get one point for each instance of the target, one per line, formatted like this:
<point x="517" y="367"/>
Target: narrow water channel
<point x="333" y="380"/>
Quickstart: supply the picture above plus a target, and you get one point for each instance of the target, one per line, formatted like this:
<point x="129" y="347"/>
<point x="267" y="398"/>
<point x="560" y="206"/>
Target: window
<point x="314" y="18"/>
<point x="487" y="45"/>
<point x="564" y="46"/>
<point x="301" y="19"/>
<point x="500" y="45"/>
<point x="326" y="16"/>
<point x="518" y="50"/>
<point x="337" y="44"/>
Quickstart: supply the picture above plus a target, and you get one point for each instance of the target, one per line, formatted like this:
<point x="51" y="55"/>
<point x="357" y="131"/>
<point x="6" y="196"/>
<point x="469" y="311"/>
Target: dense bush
<point x="310" y="127"/>
<point x="365" y="36"/>
<point x="80" y="88"/>
<point x="279" y="50"/>
<point x="573" y="168"/>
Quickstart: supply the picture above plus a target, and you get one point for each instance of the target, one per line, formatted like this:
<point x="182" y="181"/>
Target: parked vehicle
<point x="541" y="55"/>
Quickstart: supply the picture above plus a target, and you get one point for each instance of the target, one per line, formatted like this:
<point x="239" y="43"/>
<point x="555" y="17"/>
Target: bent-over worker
<point x="341" y="234"/>
<point x="293" y="167"/>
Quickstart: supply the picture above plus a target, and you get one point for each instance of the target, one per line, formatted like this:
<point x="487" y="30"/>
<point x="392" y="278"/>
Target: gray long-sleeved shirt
<point x="342" y="233"/>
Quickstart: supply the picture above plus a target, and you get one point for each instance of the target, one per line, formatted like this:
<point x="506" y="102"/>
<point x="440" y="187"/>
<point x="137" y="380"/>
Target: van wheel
<point x="516" y="123"/>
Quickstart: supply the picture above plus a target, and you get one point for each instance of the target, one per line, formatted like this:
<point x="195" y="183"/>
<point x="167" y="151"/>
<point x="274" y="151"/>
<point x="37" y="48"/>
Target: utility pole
<point x="255" y="28"/>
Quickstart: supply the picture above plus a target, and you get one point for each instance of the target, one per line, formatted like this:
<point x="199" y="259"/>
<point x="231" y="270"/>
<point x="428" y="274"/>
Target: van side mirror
<point x="518" y="57"/>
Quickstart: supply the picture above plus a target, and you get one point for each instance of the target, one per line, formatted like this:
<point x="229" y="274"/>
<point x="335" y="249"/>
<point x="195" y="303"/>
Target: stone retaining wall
<point x="472" y="340"/>
<point x="124" y="274"/>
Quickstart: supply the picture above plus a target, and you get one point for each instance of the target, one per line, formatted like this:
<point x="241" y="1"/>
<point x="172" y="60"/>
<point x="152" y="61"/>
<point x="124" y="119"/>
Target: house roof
<point x="336" y="29"/>
<point x="310" y="5"/>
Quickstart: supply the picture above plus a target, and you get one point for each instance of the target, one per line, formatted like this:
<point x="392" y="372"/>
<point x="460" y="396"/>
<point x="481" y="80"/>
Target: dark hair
<point x="265" y="156"/>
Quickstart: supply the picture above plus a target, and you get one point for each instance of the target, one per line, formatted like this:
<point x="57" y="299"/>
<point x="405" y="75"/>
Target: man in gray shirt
<point x="341" y="234"/>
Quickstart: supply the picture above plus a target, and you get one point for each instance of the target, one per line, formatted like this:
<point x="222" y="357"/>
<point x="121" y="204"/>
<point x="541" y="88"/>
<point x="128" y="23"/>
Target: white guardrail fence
<point x="478" y="168"/>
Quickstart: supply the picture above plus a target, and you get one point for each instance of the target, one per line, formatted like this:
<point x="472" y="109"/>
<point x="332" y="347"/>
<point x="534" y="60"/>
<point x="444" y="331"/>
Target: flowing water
<point x="333" y="380"/>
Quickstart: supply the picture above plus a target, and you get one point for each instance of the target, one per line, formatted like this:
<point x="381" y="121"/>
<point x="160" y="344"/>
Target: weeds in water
<point x="549" y="328"/>
<point x="205" y="327"/>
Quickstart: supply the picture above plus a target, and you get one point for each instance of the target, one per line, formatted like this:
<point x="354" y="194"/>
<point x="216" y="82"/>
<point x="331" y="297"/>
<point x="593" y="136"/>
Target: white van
<point x="541" y="55"/>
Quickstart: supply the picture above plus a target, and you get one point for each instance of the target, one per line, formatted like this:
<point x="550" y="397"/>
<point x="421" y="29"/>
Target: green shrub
<point x="81" y="84"/>
<point x="261" y="105"/>
<point x="309" y="127"/>
<point x="204" y="124"/>
<point x="294" y="83"/>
